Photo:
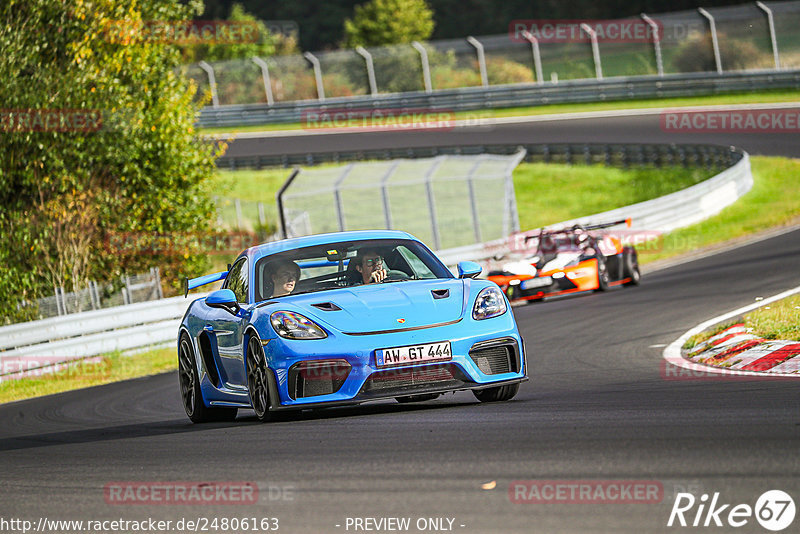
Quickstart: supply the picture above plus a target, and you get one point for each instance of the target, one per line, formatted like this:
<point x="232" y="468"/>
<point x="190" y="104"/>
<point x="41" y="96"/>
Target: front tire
<point x="257" y="383"/>
<point x="191" y="394"/>
<point x="602" y="274"/>
<point x="498" y="394"/>
<point x="632" y="270"/>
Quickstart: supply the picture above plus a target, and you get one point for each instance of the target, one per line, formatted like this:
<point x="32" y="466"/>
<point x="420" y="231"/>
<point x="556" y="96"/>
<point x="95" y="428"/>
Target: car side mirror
<point x="223" y="298"/>
<point x="468" y="269"/>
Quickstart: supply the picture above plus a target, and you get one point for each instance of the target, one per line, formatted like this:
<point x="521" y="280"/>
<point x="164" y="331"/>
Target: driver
<point x="284" y="275"/>
<point x="370" y="264"/>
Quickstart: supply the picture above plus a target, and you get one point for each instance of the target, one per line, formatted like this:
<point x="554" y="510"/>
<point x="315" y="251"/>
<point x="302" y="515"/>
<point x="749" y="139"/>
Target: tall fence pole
<point x="437" y="240"/>
<point x="265" y="76"/>
<point x="656" y="43"/>
<point x="481" y="59"/>
<point x="714" y="42"/>
<point x="317" y="74"/>
<point x="373" y="86"/>
<point x="473" y="203"/>
<point x="772" y="38"/>
<point x="426" y="68"/>
<point x="387" y="212"/>
<point x="598" y="68"/>
<point x="212" y="82"/>
<point x="537" y="57"/>
<point x="338" y="196"/>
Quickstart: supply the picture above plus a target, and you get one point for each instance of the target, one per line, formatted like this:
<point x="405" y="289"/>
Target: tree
<point x="387" y="22"/>
<point x="97" y="145"/>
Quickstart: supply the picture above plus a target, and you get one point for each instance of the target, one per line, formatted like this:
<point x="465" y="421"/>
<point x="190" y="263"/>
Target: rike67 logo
<point x="774" y="510"/>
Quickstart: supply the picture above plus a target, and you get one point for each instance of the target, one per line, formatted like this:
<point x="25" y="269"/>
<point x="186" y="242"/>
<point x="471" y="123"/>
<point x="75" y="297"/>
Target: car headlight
<point x="490" y="303"/>
<point x="292" y="325"/>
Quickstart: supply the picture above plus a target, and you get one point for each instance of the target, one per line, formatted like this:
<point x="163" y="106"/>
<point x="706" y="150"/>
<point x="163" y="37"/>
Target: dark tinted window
<point x="237" y="280"/>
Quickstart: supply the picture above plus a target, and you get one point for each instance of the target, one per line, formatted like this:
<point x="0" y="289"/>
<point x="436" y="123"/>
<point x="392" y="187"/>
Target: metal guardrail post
<point x="265" y="76"/>
<point x="656" y="43"/>
<point x="772" y="38"/>
<point x="212" y="81"/>
<point x="598" y="68"/>
<point x="537" y="57"/>
<point x="426" y="68"/>
<point x="481" y="59"/>
<point x="714" y="42"/>
<point x="317" y="74"/>
<point x="373" y="86"/>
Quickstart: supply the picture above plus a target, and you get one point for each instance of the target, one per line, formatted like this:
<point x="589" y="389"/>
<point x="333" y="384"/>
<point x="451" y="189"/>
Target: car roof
<point x="273" y="247"/>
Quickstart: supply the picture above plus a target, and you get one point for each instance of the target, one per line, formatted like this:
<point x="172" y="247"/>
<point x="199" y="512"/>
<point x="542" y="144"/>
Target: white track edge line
<point x="672" y="354"/>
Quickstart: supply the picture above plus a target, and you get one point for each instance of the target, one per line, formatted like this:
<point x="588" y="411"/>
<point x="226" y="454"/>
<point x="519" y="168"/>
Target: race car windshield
<point x="335" y="265"/>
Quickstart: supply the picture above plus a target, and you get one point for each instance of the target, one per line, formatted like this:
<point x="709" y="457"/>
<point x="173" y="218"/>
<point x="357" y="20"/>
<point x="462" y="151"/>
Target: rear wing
<point x="543" y="232"/>
<point x="193" y="283"/>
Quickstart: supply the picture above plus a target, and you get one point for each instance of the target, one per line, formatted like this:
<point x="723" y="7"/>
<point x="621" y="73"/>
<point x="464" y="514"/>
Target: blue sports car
<point x="344" y="318"/>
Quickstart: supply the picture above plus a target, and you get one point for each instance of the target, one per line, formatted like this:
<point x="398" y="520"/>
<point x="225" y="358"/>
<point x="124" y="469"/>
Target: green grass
<point x="108" y="368"/>
<point x="549" y="193"/>
<point x="779" y="320"/>
<point x="773" y="201"/>
<point x="763" y="97"/>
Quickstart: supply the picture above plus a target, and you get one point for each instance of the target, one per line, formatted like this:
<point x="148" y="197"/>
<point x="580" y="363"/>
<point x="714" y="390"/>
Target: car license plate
<point x="429" y="352"/>
<point x="536" y="282"/>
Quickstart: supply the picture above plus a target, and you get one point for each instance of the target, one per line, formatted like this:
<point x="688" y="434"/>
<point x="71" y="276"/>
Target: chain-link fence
<point x="130" y="289"/>
<point x="448" y="201"/>
<point x="760" y="35"/>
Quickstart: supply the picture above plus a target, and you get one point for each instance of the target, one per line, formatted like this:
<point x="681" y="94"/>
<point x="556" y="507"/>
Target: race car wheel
<point x="632" y="270"/>
<point x="191" y="395"/>
<point x="602" y="275"/>
<point x="257" y="384"/>
<point x="500" y="393"/>
<point x="417" y="398"/>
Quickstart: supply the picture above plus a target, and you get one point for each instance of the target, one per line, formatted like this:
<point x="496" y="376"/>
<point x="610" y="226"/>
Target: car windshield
<point x="338" y="265"/>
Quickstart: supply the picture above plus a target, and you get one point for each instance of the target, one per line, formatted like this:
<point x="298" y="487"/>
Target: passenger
<point x="284" y="275"/>
<point x="370" y="264"/>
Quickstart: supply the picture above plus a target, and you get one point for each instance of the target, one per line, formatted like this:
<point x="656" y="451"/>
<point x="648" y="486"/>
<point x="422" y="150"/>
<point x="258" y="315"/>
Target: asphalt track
<point x="599" y="405"/>
<point x="600" y="129"/>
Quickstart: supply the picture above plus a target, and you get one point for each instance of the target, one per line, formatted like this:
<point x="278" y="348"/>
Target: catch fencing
<point x="684" y="53"/>
<point x="128" y="290"/>
<point x="447" y="200"/>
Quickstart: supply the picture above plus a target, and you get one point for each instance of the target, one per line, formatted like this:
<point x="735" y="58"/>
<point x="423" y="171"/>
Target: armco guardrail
<point x="619" y="155"/>
<point x="79" y="335"/>
<point x="660" y="215"/>
<point x="507" y="96"/>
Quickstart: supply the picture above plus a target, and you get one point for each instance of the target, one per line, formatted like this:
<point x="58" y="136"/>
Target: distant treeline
<point x="320" y="22"/>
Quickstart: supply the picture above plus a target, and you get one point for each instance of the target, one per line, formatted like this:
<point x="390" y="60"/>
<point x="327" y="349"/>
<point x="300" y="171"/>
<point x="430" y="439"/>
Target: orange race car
<point x="569" y="261"/>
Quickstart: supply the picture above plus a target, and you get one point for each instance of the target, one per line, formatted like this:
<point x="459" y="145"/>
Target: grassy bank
<point x="92" y="372"/>
<point x="764" y="97"/>
<point x="779" y="320"/>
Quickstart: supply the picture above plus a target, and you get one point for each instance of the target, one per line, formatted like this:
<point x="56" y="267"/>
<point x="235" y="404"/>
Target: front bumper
<point x="485" y="354"/>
